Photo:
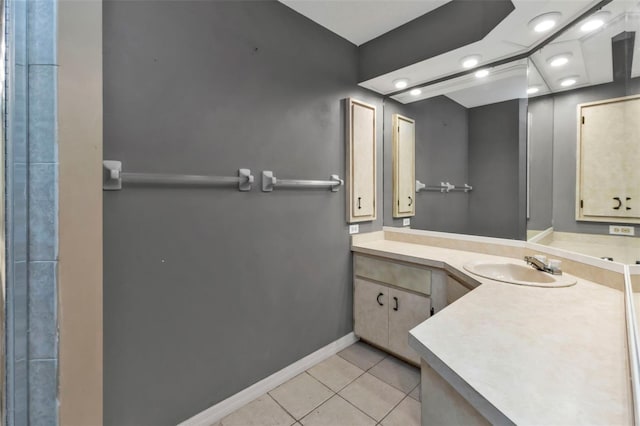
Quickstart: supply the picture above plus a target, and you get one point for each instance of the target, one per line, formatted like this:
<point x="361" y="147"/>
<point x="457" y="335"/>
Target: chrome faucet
<point x="542" y="266"/>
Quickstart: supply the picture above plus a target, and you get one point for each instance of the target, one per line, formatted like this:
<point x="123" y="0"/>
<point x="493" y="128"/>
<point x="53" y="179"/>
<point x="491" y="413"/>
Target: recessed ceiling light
<point x="533" y="89"/>
<point x="415" y="92"/>
<point x="401" y="83"/>
<point x="470" y="61"/>
<point x="544" y="22"/>
<point x="559" y="60"/>
<point x="569" y="81"/>
<point x="594" y="22"/>
<point x="482" y="73"/>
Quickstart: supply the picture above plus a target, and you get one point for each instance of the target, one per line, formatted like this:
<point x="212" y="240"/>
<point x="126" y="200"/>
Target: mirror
<point x="470" y="141"/>
<point x="474" y="130"/>
<point x="583" y="136"/>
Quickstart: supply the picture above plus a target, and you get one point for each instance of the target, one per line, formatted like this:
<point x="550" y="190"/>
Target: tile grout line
<point x="349" y="402"/>
<point x="406" y="394"/>
<point x="342" y="388"/>
<point x="284" y="409"/>
<point x="306" y="414"/>
<point x="363" y="373"/>
<point x="394" y="407"/>
<point x="419" y="392"/>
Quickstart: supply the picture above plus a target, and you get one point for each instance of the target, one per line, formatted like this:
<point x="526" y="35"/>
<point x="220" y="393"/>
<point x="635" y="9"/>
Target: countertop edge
<point x="473" y="397"/>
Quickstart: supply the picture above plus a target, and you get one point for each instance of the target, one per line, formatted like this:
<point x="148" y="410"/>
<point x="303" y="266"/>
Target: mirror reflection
<point x="513" y="134"/>
<point x="583" y="137"/>
<point x="470" y="143"/>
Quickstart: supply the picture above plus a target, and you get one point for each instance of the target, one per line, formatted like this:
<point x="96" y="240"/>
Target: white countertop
<point x="525" y="355"/>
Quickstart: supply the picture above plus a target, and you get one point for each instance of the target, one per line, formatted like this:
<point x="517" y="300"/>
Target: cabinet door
<point x="404" y="178"/>
<point x="370" y="312"/>
<point x="608" y="162"/>
<point x="361" y="137"/>
<point x="406" y="310"/>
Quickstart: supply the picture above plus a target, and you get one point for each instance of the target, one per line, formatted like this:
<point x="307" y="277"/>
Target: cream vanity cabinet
<point x="608" y="161"/>
<point x="390" y="298"/>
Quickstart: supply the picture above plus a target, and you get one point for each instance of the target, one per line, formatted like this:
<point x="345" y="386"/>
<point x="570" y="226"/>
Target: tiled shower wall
<point x="32" y="212"/>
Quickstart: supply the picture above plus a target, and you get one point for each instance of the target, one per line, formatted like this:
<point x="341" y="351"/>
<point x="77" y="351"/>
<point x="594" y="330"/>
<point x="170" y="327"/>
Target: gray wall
<point x="495" y="170"/>
<point x="541" y="163"/>
<point x="564" y="151"/>
<point x="441" y="156"/>
<point x="207" y="291"/>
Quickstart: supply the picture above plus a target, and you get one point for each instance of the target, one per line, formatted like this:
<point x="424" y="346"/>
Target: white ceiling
<point x="362" y="20"/>
<point x="510" y="37"/>
<point x="508" y="81"/>
<point x="590" y="60"/>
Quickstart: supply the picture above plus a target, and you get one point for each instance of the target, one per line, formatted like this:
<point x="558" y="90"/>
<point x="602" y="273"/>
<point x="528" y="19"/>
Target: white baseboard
<point x="215" y="413"/>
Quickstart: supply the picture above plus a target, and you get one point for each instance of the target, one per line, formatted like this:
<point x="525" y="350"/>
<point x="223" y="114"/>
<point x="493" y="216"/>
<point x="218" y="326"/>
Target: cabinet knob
<point x="395" y="307"/>
<point x="378" y="299"/>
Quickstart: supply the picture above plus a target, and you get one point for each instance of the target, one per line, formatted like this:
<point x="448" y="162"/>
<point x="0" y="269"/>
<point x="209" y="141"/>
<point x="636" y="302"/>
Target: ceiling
<point x="362" y="20"/>
<point x="590" y="60"/>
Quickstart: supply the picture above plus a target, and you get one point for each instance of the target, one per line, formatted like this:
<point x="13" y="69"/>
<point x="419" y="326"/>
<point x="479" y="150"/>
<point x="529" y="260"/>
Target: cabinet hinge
<point x="581" y="204"/>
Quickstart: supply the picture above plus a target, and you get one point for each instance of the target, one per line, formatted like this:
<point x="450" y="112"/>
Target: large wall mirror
<point x="498" y="150"/>
<point x="584" y="131"/>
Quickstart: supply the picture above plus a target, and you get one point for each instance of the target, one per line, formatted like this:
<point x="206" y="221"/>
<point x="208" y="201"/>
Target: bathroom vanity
<point x="494" y="352"/>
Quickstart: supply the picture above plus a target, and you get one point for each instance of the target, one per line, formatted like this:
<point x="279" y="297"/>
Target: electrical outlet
<point x="622" y="230"/>
<point x="406" y="222"/>
<point x="354" y="229"/>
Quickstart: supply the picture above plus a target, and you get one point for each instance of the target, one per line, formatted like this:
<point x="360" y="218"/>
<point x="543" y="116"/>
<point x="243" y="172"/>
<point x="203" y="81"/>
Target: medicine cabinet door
<point x="404" y="177"/>
<point x="361" y="161"/>
<point x="609" y="161"/>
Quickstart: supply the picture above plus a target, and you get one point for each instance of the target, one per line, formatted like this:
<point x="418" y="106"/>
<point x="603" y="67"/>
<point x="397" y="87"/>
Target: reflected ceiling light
<point x="470" y="61"/>
<point x="559" y="60"/>
<point x="533" y="89"/>
<point x="594" y="22"/>
<point x="415" y="92"/>
<point x="401" y="83"/>
<point x="482" y="73"/>
<point x="544" y="22"/>
<point x="568" y="81"/>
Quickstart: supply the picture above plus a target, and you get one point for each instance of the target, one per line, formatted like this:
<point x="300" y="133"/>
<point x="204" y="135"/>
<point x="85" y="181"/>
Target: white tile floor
<point x="359" y="386"/>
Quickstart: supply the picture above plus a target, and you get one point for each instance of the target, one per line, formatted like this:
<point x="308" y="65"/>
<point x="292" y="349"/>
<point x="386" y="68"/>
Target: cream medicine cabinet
<point x="608" y="166"/>
<point x="361" y="161"/>
<point x="404" y="176"/>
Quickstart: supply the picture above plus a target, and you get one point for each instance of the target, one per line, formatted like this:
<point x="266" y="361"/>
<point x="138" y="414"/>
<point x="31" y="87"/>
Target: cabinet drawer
<point x="399" y="275"/>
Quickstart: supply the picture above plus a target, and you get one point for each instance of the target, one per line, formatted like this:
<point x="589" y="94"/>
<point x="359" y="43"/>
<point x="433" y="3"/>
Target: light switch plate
<point x="622" y="230"/>
<point x="354" y="229"/>
<point x="406" y="222"/>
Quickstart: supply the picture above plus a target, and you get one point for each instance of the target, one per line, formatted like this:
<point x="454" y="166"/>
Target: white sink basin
<point x="513" y="273"/>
